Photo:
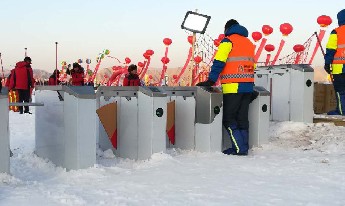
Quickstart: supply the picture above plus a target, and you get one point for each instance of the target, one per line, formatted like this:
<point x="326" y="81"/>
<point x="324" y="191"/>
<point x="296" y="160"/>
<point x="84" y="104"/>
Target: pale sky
<point x="84" y="28"/>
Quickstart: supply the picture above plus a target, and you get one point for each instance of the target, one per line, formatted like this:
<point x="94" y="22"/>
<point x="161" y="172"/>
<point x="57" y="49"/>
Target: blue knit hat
<point x="341" y="17"/>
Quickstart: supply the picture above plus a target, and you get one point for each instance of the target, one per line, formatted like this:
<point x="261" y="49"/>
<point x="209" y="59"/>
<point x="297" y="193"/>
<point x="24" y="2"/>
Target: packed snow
<point x="303" y="164"/>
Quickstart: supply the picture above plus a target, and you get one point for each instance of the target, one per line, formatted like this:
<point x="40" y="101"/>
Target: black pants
<point x="339" y="82"/>
<point x="24" y="96"/>
<point x="235" y="110"/>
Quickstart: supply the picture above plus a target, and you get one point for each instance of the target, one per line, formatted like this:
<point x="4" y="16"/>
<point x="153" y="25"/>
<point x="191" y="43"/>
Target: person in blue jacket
<point x="335" y="63"/>
<point x="234" y="65"/>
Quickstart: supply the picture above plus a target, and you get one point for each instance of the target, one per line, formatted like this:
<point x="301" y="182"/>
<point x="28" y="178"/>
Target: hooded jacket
<point x="131" y="80"/>
<point x="336" y="37"/>
<point x="219" y="62"/>
<point x="77" y="76"/>
<point x="22" y="77"/>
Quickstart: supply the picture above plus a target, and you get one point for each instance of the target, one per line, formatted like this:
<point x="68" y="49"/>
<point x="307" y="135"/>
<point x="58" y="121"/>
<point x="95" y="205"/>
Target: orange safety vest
<point x="339" y="57"/>
<point x="239" y="66"/>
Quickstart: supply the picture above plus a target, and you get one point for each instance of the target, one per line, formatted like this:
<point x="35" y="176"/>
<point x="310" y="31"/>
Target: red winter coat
<point x="77" y="77"/>
<point x="52" y="81"/>
<point x="131" y="80"/>
<point x="22" y="77"/>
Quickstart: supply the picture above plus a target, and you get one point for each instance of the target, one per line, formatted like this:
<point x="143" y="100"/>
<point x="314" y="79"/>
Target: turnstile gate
<point x="291" y="87"/>
<point x="140" y="121"/>
<point x="4" y="132"/>
<point x="66" y="126"/>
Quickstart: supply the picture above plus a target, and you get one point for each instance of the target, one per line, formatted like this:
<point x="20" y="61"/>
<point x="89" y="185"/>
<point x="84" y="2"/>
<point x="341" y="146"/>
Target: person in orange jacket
<point x="22" y="80"/>
<point x="335" y="63"/>
<point x="234" y="65"/>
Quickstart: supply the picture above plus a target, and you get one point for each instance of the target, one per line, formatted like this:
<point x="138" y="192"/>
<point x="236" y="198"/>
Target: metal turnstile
<point x="181" y="117"/>
<point x="141" y="121"/>
<point x="152" y="121"/>
<point x="208" y="119"/>
<point x="4" y="132"/>
<point x="126" y="124"/>
<point x="259" y="119"/>
<point x="291" y="88"/>
<point x="66" y="125"/>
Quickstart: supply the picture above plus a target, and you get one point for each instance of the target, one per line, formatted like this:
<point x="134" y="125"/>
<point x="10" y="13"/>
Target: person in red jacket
<point x="77" y="73"/>
<point x="54" y="78"/>
<point x="22" y="81"/>
<point x="132" y="78"/>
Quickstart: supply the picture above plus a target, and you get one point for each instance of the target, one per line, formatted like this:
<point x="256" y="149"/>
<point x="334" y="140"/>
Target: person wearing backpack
<point x="22" y="81"/>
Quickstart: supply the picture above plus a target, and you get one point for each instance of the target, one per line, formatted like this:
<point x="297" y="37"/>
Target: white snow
<point x="304" y="164"/>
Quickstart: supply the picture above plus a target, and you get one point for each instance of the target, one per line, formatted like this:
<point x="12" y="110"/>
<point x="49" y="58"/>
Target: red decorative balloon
<point x="267" y="30"/>
<point x="149" y="52"/>
<point x="197" y="59"/>
<point x="165" y="60"/>
<point x="167" y="41"/>
<point x="190" y="39"/>
<point x="146" y="56"/>
<point x="269" y="48"/>
<point x="256" y="36"/>
<point x="285" y="29"/>
<point x="174" y="76"/>
<point x="140" y="64"/>
<point x="298" y="48"/>
<point x="216" y="42"/>
<point x="150" y="76"/>
<point x="324" y="20"/>
<point x="127" y="60"/>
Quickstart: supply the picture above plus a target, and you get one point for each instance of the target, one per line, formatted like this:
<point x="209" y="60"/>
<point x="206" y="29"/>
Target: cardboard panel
<point x="108" y="117"/>
<point x="324" y="98"/>
<point x="171" y="121"/>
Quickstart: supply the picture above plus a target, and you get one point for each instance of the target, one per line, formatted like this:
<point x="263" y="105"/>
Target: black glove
<point x="255" y="94"/>
<point x="327" y="68"/>
<point x="207" y="83"/>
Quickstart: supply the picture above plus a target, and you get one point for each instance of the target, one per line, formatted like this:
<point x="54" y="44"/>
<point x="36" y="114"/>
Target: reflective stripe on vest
<point x="236" y="76"/>
<point x="239" y="67"/>
<point x="236" y="59"/>
<point x="339" y="56"/>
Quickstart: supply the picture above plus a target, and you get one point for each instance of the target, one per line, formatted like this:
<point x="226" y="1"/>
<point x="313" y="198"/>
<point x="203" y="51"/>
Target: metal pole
<point x="318" y="40"/>
<point x="26" y="52"/>
<point x="193" y="51"/>
<point x="56" y="63"/>
<point x="323" y="52"/>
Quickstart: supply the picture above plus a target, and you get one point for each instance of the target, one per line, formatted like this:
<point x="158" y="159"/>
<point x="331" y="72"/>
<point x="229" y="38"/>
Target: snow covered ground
<point x="304" y="164"/>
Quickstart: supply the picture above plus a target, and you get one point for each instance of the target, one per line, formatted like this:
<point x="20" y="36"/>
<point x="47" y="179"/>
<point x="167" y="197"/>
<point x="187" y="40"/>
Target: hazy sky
<point x="84" y="28"/>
